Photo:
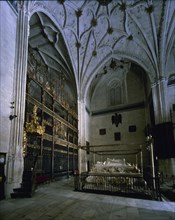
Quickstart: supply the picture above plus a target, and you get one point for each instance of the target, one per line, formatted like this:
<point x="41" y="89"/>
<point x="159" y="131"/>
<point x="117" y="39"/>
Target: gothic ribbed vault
<point x="85" y="35"/>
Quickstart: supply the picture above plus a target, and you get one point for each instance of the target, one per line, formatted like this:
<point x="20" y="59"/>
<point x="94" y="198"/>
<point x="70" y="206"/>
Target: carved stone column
<point x="15" y="154"/>
<point x="160" y="101"/>
<point x="82" y="160"/>
<point x="162" y="114"/>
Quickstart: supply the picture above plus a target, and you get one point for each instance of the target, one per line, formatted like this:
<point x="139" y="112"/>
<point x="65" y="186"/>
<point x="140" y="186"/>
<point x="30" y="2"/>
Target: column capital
<point x="158" y="81"/>
<point x="159" y="92"/>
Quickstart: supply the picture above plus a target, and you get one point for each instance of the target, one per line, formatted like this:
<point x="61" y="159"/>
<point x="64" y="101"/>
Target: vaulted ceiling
<point x="84" y="37"/>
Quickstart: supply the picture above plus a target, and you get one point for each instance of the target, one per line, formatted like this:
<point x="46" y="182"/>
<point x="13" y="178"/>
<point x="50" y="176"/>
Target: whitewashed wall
<point x="8" y="24"/>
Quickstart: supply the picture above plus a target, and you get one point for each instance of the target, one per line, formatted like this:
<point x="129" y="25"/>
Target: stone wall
<point x="171" y="98"/>
<point x="133" y="121"/>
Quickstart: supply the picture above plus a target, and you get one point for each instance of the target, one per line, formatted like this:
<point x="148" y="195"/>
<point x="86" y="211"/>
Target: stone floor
<point x="58" y="200"/>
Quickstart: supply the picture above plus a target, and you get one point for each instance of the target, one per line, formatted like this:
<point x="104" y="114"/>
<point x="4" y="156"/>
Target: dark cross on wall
<point x="116" y="119"/>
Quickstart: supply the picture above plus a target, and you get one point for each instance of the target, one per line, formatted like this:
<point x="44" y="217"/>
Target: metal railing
<point x="131" y="185"/>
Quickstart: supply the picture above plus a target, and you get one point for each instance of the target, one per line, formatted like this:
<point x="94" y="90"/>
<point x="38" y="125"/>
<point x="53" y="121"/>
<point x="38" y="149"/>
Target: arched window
<point x="114" y="93"/>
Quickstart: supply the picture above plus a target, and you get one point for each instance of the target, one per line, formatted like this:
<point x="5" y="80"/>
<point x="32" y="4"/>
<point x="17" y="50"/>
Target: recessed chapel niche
<point x="48" y="41"/>
<point x="51" y="102"/>
<point x="121" y="88"/>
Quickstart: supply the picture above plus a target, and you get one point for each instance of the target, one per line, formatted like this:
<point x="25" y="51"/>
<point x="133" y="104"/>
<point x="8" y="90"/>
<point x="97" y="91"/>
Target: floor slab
<point x="58" y="200"/>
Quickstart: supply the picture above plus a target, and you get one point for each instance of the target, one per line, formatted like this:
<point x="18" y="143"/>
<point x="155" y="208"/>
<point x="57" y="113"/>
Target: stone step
<point x="21" y="195"/>
<point x="22" y="189"/>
